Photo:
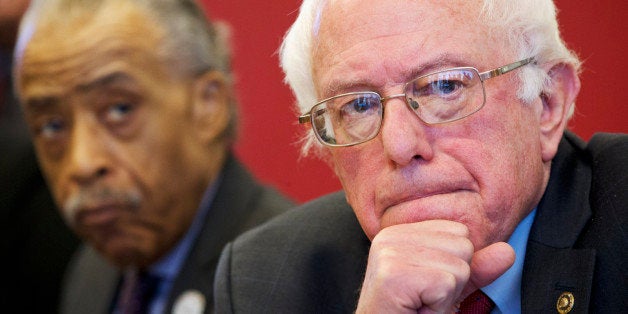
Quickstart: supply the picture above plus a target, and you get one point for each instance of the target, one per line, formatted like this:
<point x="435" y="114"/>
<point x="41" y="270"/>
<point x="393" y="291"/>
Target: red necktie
<point x="477" y="303"/>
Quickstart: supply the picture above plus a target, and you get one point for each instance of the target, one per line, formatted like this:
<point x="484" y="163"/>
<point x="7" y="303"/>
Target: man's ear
<point x="211" y="101"/>
<point x="558" y="101"/>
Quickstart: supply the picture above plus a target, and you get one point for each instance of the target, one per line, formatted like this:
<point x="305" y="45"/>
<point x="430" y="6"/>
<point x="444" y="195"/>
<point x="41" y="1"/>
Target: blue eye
<point x="445" y="87"/>
<point x="447" y="84"/>
<point x="362" y="105"/>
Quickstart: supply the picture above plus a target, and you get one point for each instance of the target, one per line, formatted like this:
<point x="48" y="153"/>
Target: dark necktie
<point x="137" y="292"/>
<point x="477" y="303"/>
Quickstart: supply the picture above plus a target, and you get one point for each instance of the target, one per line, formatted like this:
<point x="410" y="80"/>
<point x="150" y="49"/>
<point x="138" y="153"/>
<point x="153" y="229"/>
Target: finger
<point x="487" y="265"/>
<point x="442" y="291"/>
<point x="446" y="236"/>
<point x="432" y="226"/>
<point x="415" y="266"/>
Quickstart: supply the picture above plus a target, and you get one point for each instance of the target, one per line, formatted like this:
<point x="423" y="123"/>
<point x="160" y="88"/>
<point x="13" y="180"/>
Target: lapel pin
<point x="565" y="302"/>
<point x="189" y="302"/>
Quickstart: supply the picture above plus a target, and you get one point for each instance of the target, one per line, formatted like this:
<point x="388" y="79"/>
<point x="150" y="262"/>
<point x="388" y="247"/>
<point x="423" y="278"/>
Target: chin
<point x="124" y="253"/>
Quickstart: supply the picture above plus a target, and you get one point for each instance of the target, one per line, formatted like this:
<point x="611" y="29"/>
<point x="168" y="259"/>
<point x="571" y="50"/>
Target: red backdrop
<point x="596" y="30"/>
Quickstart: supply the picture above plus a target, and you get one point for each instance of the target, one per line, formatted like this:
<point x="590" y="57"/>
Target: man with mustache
<point x="445" y="123"/>
<point x="133" y="117"/>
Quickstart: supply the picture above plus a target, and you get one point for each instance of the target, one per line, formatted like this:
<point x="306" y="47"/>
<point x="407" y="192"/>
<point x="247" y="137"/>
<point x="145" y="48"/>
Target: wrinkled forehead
<point x="355" y="36"/>
<point x="65" y="51"/>
<point x="346" y="22"/>
<point x="391" y="15"/>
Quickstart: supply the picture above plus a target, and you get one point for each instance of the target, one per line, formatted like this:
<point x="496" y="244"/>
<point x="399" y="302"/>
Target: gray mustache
<point x="94" y="196"/>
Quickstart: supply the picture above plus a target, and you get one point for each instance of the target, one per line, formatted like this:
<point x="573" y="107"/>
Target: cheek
<point x="359" y="169"/>
<point x="55" y="172"/>
<point x="157" y="154"/>
<point x="346" y="171"/>
<point x="167" y="169"/>
<point x="503" y="155"/>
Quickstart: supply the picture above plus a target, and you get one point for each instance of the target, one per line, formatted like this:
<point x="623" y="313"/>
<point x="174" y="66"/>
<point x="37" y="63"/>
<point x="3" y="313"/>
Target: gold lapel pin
<point x="565" y="302"/>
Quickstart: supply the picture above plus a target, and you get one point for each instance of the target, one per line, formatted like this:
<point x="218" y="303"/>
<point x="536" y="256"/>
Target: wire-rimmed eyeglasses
<point x="439" y="97"/>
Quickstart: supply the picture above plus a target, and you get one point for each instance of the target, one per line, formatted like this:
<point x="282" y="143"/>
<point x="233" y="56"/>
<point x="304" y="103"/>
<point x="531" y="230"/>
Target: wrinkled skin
<point x="126" y="144"/>
<point x="437" y="201"/>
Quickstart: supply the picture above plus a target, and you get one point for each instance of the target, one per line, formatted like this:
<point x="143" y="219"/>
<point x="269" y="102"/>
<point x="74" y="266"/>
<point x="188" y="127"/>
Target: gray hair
<point x="531" y="27"/>
<point x="192" y="46"/>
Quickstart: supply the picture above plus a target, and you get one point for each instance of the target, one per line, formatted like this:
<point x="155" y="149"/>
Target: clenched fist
<point x="427" y="267"/>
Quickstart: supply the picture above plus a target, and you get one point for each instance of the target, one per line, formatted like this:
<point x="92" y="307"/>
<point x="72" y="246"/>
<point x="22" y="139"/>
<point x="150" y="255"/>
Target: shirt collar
<point x="506" y="290"/>
<point x="169" y="266"/>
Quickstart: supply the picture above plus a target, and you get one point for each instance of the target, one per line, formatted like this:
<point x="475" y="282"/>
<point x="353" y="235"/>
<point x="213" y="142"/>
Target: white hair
<point x="531" y="27"/>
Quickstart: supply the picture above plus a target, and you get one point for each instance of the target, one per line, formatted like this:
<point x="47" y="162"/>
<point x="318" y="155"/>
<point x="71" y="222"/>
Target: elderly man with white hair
<point x="462" y="190"/>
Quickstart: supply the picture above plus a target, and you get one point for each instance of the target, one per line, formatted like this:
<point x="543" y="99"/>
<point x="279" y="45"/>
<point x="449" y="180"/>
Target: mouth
<point x="419" y="197"/>
<point x="446" y="204"/>
<point x="98" y="216"/>
<point x="390" y="202"/>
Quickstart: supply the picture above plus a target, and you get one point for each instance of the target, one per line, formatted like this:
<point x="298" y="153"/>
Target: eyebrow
<point x="106" y="80"/>
<point x="41" y="104"/>
<point x="36" y="105"/>
<point x="437" y="63"/>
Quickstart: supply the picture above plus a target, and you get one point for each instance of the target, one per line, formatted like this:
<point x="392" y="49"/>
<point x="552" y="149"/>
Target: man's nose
<point x="88" y="158"/>
<point x="403" y="134"/>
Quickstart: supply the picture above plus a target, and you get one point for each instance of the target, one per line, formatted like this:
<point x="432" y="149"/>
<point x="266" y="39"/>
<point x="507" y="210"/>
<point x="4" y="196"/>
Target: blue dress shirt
<point x="168" y="267"/>
<point x="506" y="290"/>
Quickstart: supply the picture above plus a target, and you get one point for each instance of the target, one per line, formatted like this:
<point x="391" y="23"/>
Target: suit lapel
<point x="91" y="286"/>
<point x="553" y="269"/>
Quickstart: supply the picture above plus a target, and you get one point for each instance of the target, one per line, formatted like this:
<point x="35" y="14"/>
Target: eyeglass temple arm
<point x="305" y="118"/>
<point x="505" y="69"/>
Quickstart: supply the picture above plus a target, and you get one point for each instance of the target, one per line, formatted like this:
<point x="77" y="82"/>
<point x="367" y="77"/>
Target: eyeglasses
<point x="440" y="97"/>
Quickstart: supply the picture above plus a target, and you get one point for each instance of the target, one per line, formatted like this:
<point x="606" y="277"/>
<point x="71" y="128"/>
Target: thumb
<point x="487" y="265"/>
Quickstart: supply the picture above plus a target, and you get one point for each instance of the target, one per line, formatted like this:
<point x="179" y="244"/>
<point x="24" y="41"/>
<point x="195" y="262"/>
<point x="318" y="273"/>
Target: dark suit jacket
<point x="312" y="259"/>
<point x="240" y="203"/>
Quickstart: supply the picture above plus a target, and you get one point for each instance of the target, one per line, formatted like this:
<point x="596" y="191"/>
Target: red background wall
<point x="596" y="30"/>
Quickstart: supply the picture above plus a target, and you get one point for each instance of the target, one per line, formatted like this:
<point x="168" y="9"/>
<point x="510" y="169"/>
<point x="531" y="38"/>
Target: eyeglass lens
<point x="440" y="97"/>
<point x="445" y="96"/>
<point x="348" y="118"/>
